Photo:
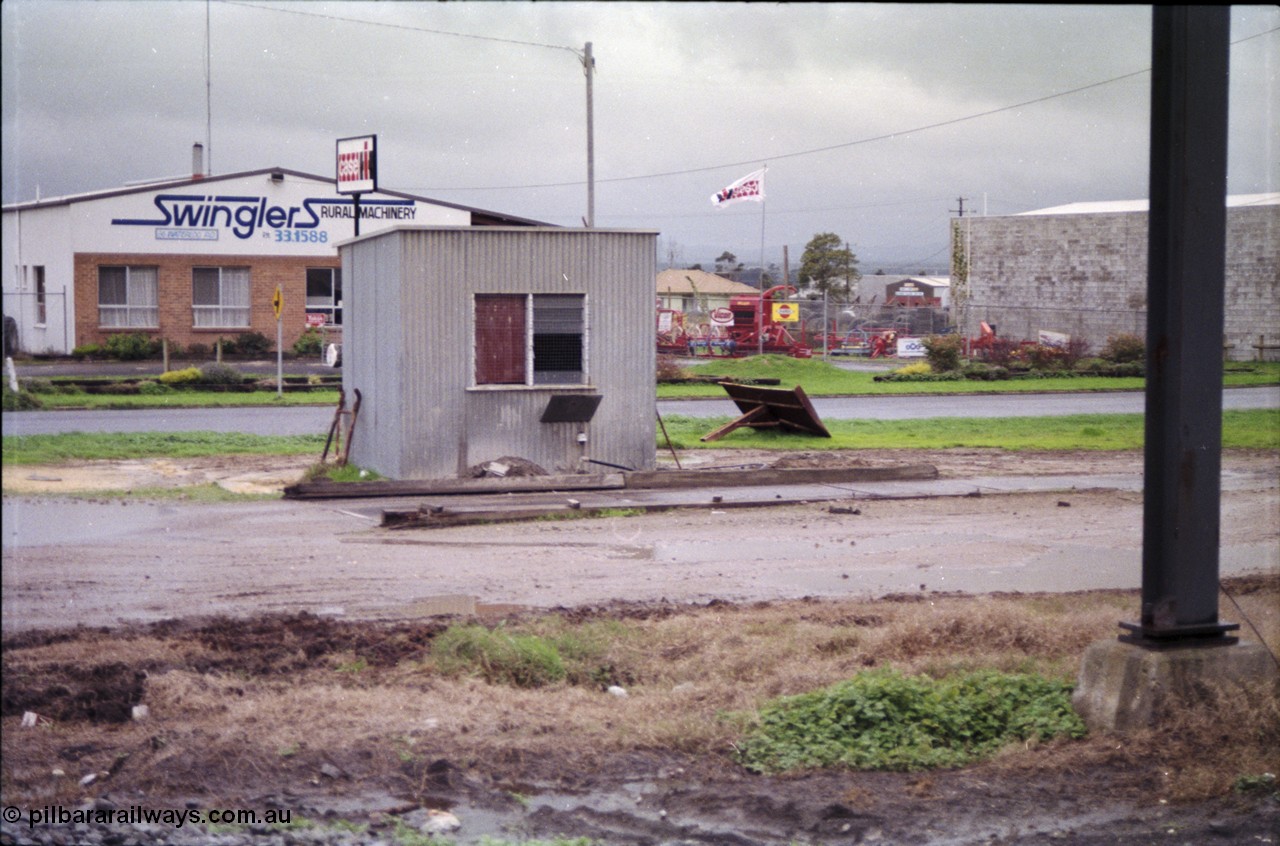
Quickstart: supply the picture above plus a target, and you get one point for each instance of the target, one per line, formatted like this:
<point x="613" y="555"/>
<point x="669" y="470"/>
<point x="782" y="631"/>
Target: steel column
<point x="1186" y="258"/>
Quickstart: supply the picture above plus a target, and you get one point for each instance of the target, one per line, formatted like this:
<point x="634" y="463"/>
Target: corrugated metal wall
<point x="408" y="346"/>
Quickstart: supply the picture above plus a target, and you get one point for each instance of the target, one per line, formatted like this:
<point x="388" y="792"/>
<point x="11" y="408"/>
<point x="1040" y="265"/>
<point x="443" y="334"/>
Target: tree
<point x="829" y="264"/>
<point x="726" y="260"/>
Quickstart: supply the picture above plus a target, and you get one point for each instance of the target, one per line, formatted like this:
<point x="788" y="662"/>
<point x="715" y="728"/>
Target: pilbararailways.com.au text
<point x="136" y="814"/>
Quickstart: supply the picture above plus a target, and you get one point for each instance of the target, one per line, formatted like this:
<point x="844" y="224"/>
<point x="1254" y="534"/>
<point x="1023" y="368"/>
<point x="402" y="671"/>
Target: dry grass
<point x="223" y="718"/>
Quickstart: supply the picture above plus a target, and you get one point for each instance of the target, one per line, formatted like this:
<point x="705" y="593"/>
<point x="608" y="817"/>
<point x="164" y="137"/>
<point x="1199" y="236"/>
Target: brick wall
<point x="1086" y="274"/>
<point x="174" y="275"/>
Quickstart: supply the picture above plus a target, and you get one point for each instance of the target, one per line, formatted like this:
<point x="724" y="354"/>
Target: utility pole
<point x="960" y="211"/>
<point x="589" y="67"/>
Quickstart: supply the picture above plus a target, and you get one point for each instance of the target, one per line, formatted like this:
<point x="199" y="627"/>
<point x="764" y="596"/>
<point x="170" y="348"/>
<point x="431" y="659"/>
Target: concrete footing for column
<point x="1123" y="687"/>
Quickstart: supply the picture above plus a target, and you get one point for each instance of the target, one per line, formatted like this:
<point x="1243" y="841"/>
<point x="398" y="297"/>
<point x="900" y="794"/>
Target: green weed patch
<point x="883" y="720"/>
<point x="498" y="656"/>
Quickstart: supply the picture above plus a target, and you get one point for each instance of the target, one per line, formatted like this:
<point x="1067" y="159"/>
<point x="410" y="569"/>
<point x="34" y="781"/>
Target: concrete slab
<point x="1124" y="687"/>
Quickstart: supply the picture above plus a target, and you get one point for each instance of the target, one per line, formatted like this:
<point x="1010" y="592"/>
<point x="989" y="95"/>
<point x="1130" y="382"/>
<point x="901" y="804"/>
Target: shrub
<point x="39" y="386"/>
<point x="21" y="401"/>
<point x="308" y="343"/>
<point x="1076" y="349"/>
<point x="87" y="350"/>
<point x="884" y="720"/>
<point x="252" y="344"/>
<point x="1123" y="349"/>
<point x="1045" y="357"/>
<point x="920" y="368"/>
<point x="198" y="350"/>
<point x="130" y="347"/>
<point x="669" y="370"/>
<point x="180" y="377"/>
<point x="1000" y="352"/>
<point x="943" y="352"/>
<point x="149" y="388"/>
<point x="220" y="374"/>
<point x="985" y="372"/>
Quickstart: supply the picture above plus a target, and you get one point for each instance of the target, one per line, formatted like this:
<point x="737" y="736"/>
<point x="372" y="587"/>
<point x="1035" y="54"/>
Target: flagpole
<point x="764" y="201"/>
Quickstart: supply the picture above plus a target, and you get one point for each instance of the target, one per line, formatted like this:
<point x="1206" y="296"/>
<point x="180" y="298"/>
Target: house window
<point x="324" y="293"/>
<point x="127" y="298"/>
<point x="41" y="311"/>
<point x="220" y="297"/>
<point x="530" y="339"/>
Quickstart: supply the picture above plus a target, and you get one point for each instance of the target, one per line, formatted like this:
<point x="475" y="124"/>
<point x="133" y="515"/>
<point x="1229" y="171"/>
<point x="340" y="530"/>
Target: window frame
<point x="333" y="310"/>
<point x="222" y="311"/>
<point x="42" y="294"/>
<point x="128" y="308"/>
<point x="528" y="340"/>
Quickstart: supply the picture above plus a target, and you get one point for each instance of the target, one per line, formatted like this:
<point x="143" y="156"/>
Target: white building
<point x="194" y="260"/>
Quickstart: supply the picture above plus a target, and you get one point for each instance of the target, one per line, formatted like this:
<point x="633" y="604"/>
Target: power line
<point x="886" y="136"/>
<point x="706" y="168"/>
<point x="573" y="50"/>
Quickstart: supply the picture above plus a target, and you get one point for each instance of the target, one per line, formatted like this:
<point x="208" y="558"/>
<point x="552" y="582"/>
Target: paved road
<point x="313" y="420"/>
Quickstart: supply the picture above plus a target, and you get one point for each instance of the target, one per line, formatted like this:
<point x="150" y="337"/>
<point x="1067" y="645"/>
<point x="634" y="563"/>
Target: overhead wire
<point x="706" y="168"/>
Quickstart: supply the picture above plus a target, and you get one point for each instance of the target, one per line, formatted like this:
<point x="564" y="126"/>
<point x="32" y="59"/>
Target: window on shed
<point x="127" y="297"/>
<point x="537" y="339"/>
<point x="220" y="297"/>
<point x="500" y="339"/>
<point x="557" y="339"/>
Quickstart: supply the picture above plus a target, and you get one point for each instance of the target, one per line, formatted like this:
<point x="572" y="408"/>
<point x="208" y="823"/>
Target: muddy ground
<point x="338" y="721"/>
<point x="233" y="698"/>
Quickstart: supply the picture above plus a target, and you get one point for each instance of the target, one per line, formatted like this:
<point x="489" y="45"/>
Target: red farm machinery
<point x="752" y="323"/>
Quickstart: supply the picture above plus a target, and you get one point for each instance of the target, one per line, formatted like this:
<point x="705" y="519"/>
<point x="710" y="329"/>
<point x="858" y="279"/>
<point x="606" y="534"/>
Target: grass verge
<point x="820" y="378"/>
<point x="1250" y="429"/>
<point x="116" y="446"/>
<point x="1254" y="429"/>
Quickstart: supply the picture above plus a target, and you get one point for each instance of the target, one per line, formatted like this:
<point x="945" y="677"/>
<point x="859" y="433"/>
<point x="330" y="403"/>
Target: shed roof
<point x="677" y="281"/>
<point x="1117" y="206"/>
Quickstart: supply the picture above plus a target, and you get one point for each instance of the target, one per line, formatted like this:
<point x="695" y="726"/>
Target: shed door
<point x="500" y="339"/>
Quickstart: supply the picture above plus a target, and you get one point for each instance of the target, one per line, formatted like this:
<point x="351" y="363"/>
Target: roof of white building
<point x="491" y="217"/>
<point x="1116" y="206"/>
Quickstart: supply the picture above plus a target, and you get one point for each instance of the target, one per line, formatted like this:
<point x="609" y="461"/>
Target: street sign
<point x="357" y="164"/>
<point x="277" y="302"/>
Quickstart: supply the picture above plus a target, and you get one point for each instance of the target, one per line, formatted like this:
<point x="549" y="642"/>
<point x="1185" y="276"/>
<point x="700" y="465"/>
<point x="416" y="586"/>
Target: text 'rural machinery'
<point x="753" y="323"/>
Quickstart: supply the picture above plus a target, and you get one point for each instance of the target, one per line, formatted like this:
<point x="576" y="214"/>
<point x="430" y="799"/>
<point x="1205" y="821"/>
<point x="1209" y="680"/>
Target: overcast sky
<point x="872" y="118"/>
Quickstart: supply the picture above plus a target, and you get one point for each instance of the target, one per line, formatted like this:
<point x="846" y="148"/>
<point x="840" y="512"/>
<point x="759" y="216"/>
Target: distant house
<point x="919" y="291"/>
<point x="697" y="290"/>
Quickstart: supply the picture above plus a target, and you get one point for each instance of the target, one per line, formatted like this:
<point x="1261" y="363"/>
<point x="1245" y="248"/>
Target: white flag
<point x="749" y="187"/>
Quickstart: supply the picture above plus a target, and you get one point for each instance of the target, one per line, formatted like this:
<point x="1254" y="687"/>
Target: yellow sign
<point x="786" y="312"/>
<point x="277" y="302"/>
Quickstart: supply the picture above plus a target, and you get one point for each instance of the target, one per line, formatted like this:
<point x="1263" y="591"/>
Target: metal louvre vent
<point x="557" y="339"/>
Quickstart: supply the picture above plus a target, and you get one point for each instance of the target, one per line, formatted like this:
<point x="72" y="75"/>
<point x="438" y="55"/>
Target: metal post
<point x="1186" y="257"/>
<point x="279" y="357"/>
<point x="589" y="66"/>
